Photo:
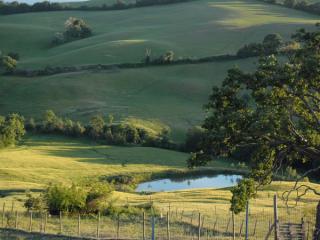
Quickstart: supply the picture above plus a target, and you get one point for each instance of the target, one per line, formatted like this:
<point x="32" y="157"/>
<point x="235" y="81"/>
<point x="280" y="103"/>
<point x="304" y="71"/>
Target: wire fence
<point x="166" y="224"/>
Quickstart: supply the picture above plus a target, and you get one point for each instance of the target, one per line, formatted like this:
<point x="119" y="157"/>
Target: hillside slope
<point x="199" y="28"/>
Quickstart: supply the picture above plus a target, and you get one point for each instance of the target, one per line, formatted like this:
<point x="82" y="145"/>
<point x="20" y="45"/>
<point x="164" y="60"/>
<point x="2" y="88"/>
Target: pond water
<point x="167" y="184"/>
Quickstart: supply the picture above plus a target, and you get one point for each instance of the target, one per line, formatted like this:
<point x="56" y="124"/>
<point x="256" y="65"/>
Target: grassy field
<point x="40" y="160"/>
<point x="184" y="206"/>
<point x="197" y="28"/>
<point x="173" y="95"/>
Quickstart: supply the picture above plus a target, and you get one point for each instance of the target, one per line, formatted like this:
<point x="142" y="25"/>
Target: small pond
<point x="171" y="184"/>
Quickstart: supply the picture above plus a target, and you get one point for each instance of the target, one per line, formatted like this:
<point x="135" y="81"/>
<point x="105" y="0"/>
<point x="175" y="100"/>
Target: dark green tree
<point x="280" y="119"/>
<point x="272" y="43"/>
<point x="97" y="125"/>
<point x="11" y="129"/>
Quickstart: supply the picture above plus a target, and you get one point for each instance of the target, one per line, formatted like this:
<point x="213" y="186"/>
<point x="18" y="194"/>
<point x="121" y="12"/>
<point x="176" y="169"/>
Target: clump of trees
<point x="74" y="29"/>
<point x="280" y="120"/>
<point x="101" y="129"/>
<point x="11" y="129"/>
<point x="271" y="44"/>
<point x="8" y="62"/>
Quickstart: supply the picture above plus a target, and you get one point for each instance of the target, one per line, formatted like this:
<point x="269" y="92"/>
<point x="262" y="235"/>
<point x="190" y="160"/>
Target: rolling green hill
<point x="198" y="28"/>
<point x="172" y="94"/>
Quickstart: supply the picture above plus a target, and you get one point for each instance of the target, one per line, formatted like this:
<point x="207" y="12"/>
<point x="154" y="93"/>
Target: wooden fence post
<point x="247" y="221"/>
<point x="199" y="226"/>
<point x="168" y="225"/>
<point x="255" y="227"/>
<point x="12" y="207"/>
<point x="16" y="221"/>
<point x="118" y="226"/>
<point x="275" y="209"/>
<point x="30" y="222"/>
<point x="143" y="226"/>
<point x="227" y="229"/>
<point x="241" y="226"/>
<point x="3" y="214"/>
<point x="79" y="225"/>
<point x="60" y="220"/>
<point x="233" y="227"/>
<point x="152" y="228"/>
<point x="214" y="227"/>
<point x="98" y="225"/>
<point x="45" y="222"/>
<point x="41" y="222"/>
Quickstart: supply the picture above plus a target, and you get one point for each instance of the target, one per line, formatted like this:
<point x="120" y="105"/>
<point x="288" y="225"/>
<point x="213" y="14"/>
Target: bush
<point x="8" y="64"/>
<point x="74" y="29"/>
<point x="60" y="198"/>
<point x="73" y="199"/>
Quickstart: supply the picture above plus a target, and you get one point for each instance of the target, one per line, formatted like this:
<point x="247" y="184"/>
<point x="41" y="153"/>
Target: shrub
<point x="34" y="203"/>
<point x="66" y="199"/>
<point x="8" y="64"/>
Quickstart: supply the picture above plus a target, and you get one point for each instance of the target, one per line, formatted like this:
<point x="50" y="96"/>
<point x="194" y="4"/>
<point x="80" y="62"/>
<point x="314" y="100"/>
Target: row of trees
<point x="74" y="29"/>
<point x="45" y="6"/>
<point x="275" y="111"/>
<point x="100" y="129"/>
<point x="11" y="129"/>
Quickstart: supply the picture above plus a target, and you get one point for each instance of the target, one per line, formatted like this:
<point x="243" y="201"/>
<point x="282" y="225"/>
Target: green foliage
<point x="289" y="3"/>
<point x="194" y="139"/>
<point x="8" y="63"/>
<point x="11" y="129"/>
<point x="58" y="198"/>
<point x="34" y="203"/>
<point x="241" y="195"/>
<point x="280" y="120"/>
<point x="74" y="29"/>
<point x="65" y="199"/>
<point x="272" y="43"/>
<point x="130" y="131"/>
<point x="97" y="125"/>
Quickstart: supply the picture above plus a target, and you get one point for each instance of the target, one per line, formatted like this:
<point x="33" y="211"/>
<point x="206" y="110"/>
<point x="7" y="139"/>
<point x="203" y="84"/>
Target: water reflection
<point x="214" y="181"/>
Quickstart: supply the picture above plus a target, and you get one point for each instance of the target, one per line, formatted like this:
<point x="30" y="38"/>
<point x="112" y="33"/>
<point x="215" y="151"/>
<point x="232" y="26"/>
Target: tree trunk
<point x="316" y="235"/>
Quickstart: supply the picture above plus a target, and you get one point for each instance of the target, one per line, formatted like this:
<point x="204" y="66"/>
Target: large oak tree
<point x="273" y="111"/>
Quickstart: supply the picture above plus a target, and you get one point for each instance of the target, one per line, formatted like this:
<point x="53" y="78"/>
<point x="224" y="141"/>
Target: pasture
<point x="198" y="28"/>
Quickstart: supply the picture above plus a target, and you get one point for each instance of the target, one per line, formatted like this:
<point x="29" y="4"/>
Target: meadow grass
<point x="198" y="28"/>
<point x="42" y="159"/>
<point x="173" y="95"/>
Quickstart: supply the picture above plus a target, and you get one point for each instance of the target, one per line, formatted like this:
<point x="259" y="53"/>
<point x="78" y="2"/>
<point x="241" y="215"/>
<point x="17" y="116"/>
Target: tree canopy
<point x="274" y="110"/>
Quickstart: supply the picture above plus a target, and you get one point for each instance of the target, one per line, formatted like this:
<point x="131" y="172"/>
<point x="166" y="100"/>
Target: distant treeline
<point x="16" y="7"/>
<point x="302" y="5"/>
